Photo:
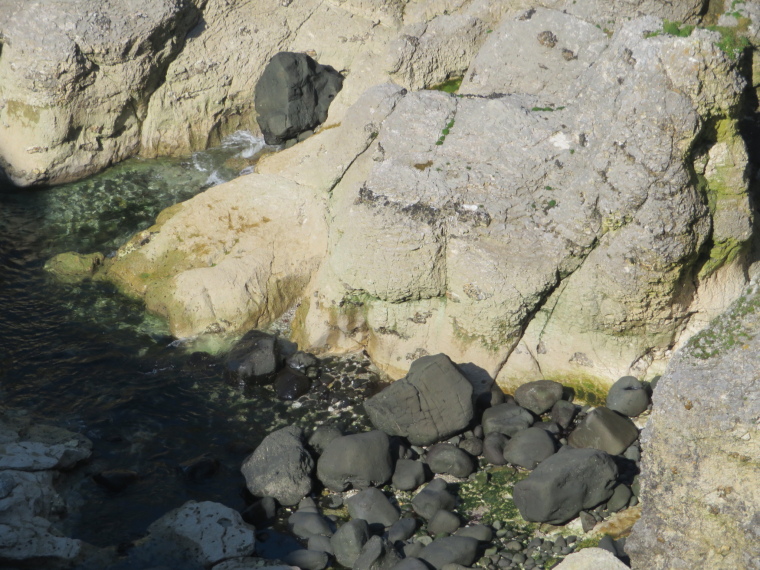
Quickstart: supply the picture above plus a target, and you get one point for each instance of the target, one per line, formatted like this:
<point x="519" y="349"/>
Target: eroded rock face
<point x="76" y="79"/>
<point x="700" y="451"/>
<point x="30" y="504"/>
<point x="539" y="234"/>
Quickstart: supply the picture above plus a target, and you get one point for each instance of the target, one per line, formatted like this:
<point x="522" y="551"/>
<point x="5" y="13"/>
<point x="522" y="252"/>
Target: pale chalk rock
<point x="591" y="559"/>
<point x="205" y="533"/>
<point x="701" y="447"/>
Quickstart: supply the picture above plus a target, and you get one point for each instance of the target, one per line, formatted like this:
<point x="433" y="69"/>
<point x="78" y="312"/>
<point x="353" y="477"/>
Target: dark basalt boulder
<point x="530" y="447"/>
<point x="433" y="402"/>
<point x="628" y="396"/>
<point x="539" y="396"/>
<point x="280" y="467"/>
<point x="255" y="357"/>
<point x="566" y="483"/>
<point x="445" y="458"/>
<point x="507" y="418"/>
<point x="606" y="430"/>
<point x="461" y="550"/>
<point x="348" y="542"/>
<point x="374" y="507"/>
<point x="293" y="95"/>
<point x="357" y="460"/>
<point x="433" y="498"/>
<point x="290" y="384"/>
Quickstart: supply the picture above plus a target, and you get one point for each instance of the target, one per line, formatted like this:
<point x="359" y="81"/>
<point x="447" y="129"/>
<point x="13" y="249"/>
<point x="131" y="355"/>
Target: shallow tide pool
<point x="85" y="358"/>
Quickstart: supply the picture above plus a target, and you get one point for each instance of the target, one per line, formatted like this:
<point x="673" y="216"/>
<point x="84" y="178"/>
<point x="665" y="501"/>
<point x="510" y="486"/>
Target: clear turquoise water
<point x="84" y="358"/>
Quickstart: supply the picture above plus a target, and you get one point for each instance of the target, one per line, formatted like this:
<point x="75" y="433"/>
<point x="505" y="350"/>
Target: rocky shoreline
<point x="367" y="499"/>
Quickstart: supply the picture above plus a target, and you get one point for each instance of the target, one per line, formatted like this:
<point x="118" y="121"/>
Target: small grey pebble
<point x="501" y="533"/>
<point x="519" y="558"/>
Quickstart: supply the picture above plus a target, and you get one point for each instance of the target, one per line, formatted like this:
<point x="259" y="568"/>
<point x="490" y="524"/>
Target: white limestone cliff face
<point x="577" y="228"/>
<point x="85" y="84"/>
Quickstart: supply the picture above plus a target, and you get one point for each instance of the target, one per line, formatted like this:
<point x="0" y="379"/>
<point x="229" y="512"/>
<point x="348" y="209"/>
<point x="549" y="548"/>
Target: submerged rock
<point x="71" y="267"/>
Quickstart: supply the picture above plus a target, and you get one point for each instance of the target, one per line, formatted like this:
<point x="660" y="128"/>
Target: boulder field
<point x="577" y="223"/>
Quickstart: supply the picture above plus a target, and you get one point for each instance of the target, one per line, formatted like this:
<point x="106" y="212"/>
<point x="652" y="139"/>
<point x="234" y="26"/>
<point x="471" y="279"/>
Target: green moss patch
<point x="727" y="331"/>
<point x="450" y="86"/>
<point x="488" y="496"/>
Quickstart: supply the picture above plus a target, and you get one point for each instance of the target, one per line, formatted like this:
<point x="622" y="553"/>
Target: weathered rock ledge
<point x="701" y="452"/>
<point x="578" y="228"/>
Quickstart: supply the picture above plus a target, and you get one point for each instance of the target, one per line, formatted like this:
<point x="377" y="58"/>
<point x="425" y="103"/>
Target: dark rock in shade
<point x="530" y="447"/>
<point x="493" y="448"/>
<point x="507" y="418"/>
<point x="444" y="458"/>
<point x="374" y="507"/>
<point x="322" y="436"/>
<point x="290" y="384"/>
<point x="408" y="475"/>
<point x="115" y="479"/>
<point x="402" y="529"/>
<point x="604" y="429"/>
<point x="378" y="554"/>
<point x="254" y="357"/>
<point x="321" y="544"/>
<point x="588" y="521"/>
<point x="443" y="522"/>
<point x="305" y="523"/>
<point x="479" y="532"/>
<point x="432" y="403"/>
<point x="628" y="396"/>
<point x="564" y="412"/>
<point x="620" y="498"/>
<point x="539" y="396"/>
<point x="348" y="541"/>
<point x="261" y="513"/>
<point x="357" y="460"/>
<point x="432" y="498"/>
<point x="280" y="467"/>
<point x="307" y="559"/>
<point x="293" y="95"/>
<point x="411" y="563"/>
<point x="200" y="468"/>
<point x="305" y="363"/>
<point x="472" y="445"/>
<point x="412" y="549"/>
<point x="566" y="483"/>
<point x="450" y="550"/>
<point x="549" y="427"/>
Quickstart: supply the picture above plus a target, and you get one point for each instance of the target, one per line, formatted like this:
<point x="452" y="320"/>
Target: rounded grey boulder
<point x="280" y="467"/>
<point x="349" y="540"/>
<point x="357" y="460"/>
<point x="256" y="357"/>
<point x="445" y="458"/>
<point x="566" y="483"/>
<point x="493" y="448"/>
<point x="507" y="418"/>
<point x="530" y="447"/>
<point x="433" y="498"/>
<point x="539" y="396"/>
<point x="606" y="430"/>
<point x="372" y="506"/>
<point x="628" y="396"/>
<point x="409" y="474"/>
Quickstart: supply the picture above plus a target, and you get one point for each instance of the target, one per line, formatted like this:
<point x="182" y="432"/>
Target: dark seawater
<point x="84" y="358"/>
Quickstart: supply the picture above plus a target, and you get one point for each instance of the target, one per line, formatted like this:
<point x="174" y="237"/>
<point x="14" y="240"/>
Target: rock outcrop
<point x="570" y="232"/>
<point x="31" y="460"/>
<point x="76" y="80"/>
<point x="700" y="452"/>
